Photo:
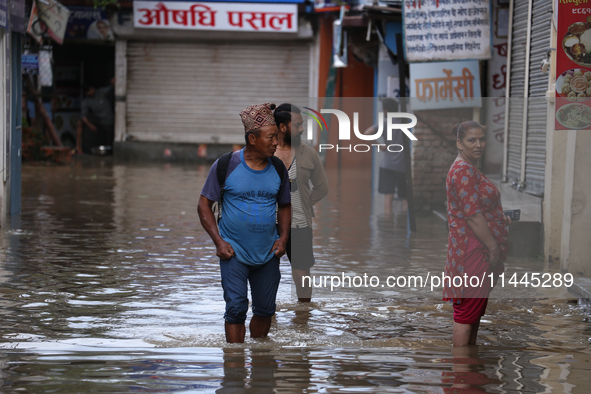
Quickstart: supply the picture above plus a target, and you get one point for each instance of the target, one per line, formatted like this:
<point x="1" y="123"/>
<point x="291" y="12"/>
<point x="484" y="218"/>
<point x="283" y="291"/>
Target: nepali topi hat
<point x="257" y="116"/>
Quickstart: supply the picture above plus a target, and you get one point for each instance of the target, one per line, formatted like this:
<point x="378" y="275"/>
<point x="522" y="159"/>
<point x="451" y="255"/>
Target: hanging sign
<point x="89" y="23"/>
<point x="50" y="17"/>
<point x="29" y="62"/>
<point x="447" y="30"/>
<point x="573" y="66"/>
<point x="280" y="18"/>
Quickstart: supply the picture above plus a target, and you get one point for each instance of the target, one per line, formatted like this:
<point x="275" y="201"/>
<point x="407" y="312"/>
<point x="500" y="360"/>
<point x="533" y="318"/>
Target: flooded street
<point x="109" y="284"/>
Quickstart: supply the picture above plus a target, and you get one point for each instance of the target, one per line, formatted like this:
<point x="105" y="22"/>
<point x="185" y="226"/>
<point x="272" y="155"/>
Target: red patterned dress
<point x="470" y="192"/>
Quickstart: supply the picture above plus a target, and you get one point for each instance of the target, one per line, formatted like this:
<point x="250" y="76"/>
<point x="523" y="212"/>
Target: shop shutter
<point x="535" y="154"/>
<point x="518" y="64"/>
<point x="536" y="102"/>
<point x="193" y="92"/>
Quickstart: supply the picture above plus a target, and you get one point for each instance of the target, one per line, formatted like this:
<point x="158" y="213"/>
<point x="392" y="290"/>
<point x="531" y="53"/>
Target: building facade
<point x="183" y="85"/>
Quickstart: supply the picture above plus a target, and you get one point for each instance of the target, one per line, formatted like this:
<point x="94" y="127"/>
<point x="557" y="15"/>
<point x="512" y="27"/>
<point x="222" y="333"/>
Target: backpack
<point x="222" y="173"/>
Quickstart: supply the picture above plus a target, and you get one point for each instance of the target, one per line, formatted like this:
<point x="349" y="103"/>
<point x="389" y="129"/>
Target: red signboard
<point x="573" y="66"/>
<point x="276" y="18"/>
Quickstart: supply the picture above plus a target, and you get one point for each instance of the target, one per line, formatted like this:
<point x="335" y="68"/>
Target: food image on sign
<point x="574" y="116"/>
<point x="577" y="42"/>
<point x="574" y="85"/>
<point x="572" y="105"/>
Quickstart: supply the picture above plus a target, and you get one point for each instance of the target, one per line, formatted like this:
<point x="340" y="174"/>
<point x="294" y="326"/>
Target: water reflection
<point x="109" y="284"/>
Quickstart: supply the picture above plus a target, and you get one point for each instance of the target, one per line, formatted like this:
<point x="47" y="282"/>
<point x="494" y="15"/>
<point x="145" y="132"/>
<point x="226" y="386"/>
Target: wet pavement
<point x="109" y="284"/>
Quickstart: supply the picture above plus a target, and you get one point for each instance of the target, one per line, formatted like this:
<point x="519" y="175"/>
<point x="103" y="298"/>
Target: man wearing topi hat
<point x="248" y="242"/>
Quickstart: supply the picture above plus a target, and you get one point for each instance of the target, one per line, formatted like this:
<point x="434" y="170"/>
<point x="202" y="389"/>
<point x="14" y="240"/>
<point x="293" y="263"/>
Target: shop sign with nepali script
<point x="447" y="30"/>
<point x="445" y="85"/>
<point x="573" y="65"/>
<point x="282" y="18"/>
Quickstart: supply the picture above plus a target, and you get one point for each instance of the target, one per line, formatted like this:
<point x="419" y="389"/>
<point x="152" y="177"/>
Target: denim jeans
<point x="264" y="282"/>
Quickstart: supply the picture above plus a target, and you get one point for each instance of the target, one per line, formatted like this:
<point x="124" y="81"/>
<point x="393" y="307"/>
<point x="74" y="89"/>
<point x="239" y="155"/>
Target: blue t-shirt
<point x="249" y="207"/>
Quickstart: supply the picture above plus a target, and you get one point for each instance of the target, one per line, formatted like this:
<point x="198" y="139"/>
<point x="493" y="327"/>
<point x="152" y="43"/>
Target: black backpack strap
<point x="222" y="170"/>
<point x="279" y="167"/>
<point x="222" y="174"/>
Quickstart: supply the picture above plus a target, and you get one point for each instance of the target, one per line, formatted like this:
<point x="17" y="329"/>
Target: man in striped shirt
<point x="304" y="167"/>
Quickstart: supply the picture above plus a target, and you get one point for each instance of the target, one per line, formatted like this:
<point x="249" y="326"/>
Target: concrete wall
<point x="4" y="120"/>
<point x="567" y="215"/>
<point x="169" y="152"/>
<point x="576" y="248"/>
<point x="554" y="174"/>
<point x="554" y="196"/>
<point x="433" y="154"/>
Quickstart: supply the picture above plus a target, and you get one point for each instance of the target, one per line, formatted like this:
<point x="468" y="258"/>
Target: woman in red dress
<point x="477" y="244"/>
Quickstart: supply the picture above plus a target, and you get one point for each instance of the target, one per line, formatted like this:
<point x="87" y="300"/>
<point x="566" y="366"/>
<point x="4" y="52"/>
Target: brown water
<point x="109" y="284"/>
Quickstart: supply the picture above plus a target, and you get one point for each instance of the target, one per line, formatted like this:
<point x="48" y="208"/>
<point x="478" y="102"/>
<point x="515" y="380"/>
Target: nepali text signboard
<point x="89" y="23"/>
<point x="447" y="30"/>
<point x="573" y="66"/>
<point x="441" y="85"/>
<point x="281" y="18"/>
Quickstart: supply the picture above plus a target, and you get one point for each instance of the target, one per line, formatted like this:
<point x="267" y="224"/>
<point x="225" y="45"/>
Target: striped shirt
<point x="298" y="218"/>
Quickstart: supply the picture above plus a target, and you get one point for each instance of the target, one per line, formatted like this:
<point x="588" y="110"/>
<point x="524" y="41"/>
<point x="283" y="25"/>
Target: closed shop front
<point x="185" y="70"/>
<point x="192" y="92"/>
<point x="527" y="123"/>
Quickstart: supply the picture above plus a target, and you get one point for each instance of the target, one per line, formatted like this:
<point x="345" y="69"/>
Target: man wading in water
<point x="249" y="243"/>
<point x="304" y="166"/>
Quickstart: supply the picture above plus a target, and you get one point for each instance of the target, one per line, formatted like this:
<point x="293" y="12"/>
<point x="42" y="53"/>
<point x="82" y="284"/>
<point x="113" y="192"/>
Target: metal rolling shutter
<point x="193" y="92"/>
<point x="517" y="87"/>
<point x="537" y="104"/>
<point x="535" y="157"/>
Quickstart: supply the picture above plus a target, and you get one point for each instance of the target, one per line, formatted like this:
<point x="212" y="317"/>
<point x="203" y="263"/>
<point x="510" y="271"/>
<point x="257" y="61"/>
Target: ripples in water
<point x="109" y="284"/>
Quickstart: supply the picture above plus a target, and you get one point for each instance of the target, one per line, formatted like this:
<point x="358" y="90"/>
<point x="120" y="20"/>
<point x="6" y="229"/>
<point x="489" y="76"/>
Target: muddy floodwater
<point x="109" y="284"/>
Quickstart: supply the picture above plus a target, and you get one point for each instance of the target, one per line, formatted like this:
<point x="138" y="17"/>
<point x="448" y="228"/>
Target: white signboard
<point x="445" y="85"/>
<point x="447" y="30"/>
<point x="55" y="16"/>
<point x="216" y="16"/>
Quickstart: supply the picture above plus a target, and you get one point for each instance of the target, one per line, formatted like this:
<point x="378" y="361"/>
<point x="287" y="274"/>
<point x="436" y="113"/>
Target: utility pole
<point x="406" y="144"/>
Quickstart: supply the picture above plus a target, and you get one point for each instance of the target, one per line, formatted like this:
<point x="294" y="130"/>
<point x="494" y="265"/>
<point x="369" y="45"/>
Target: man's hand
<point x="279" y="248"/>
<point x="508" y="220"/>
<point x="92" y="127"/>
<point x="204" y="208"/>
<point x="224" y="250"/>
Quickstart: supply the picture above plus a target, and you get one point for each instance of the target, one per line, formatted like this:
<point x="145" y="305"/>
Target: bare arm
<point x="284" y="224"/>
<point x="480" y="228"/>
<point x="87" y="122"/>
<point x="204" y="208"/>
